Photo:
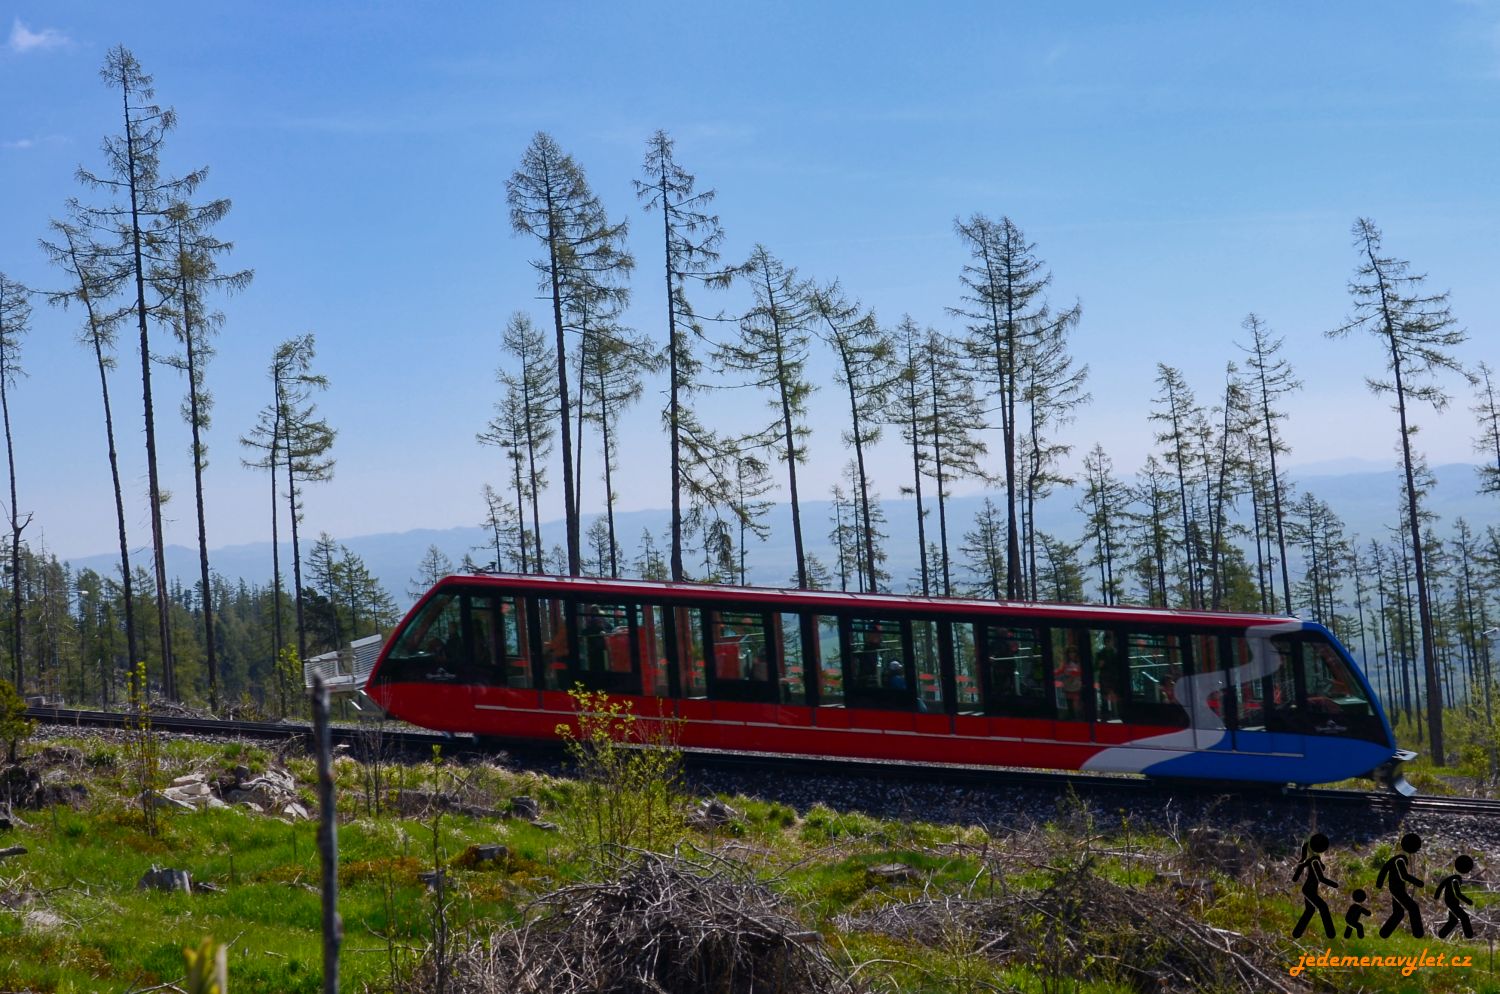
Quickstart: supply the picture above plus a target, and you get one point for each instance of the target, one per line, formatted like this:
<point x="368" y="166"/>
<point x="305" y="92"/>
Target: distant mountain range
<point x="1366" y="501"/>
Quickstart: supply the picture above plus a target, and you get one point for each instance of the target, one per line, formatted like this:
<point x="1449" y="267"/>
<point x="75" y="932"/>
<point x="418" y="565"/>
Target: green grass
<point x="90" y="929"/>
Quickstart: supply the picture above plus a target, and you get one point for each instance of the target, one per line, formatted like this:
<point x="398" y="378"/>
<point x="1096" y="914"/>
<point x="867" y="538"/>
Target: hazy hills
<point x="1366" y="501"/>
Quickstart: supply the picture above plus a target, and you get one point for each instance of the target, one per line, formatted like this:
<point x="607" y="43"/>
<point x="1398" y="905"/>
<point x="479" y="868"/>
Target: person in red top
<point x="1068" y="675"/>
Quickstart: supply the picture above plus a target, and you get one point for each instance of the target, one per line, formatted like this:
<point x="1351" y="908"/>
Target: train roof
<point x="543" y="585"/>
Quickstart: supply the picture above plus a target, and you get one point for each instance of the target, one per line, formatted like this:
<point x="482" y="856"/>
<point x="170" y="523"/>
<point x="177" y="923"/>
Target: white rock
<point x="158" y="797"/>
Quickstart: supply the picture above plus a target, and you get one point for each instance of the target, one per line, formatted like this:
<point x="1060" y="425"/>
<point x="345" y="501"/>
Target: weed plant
<point x="629" y="792"/>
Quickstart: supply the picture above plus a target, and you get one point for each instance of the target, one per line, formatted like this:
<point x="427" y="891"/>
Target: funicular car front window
<point x="431" y="646"/>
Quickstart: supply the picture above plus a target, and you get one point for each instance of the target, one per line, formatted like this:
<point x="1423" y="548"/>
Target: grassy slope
<point x="86" y="926"/>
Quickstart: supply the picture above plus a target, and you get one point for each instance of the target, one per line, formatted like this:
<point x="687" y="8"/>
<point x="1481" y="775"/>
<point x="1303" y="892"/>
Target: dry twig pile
<point x="1085" y="927"/>
<point x="663" y="925"/>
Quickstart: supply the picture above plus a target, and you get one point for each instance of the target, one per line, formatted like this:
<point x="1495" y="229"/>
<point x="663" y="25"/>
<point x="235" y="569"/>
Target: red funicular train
<point x="875" y="676"/>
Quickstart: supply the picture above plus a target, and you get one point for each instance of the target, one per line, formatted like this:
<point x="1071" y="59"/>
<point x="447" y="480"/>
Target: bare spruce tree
<point x="1178" y="412"/>
<point x="984" y="552"/>
<point x="1270" y="379"/>
<point x="867" y="371"/>
<point x="772" y="351"/>
<point x="1151" y="528"/>
<point x="950" y="431"/>
<point x="263" y="440"/>
<point x="1005" y="309"/>
<point x="15" y="319"/>
<point x="130" y="228"/>
<point x="306" y="441"/>
<point x="1103" y="505"/>
<point x="523" y="425"/>
<point x="434" y="566"/>
<point x="1417" y="333"/>
<point x="1487" y="411"/>
<point x="907" y="408"/>
<point x="582" y="268"/>
<point x="691" y="237"/>
<point x="614" y="363"/>
<point x="93" y="281"/>
<point x="1053" y="389"/>
<point x="752" y="481"/>
<point x="183" y="280"/>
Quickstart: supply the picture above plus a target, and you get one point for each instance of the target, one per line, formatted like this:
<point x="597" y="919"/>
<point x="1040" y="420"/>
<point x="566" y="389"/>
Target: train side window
<point x="1220" y="712"/>
<point x="653" y="639"/>
<point x="1014" y="670"/>
<point x="882" y="668"/>
<point x="1068" y="673"/>
<point x="1111" y="678"/>
<point x="604" y="660"/>
<point x="1255" y="698"/>
<point x="966" y="668"/>
<point x="496" y="636"/>
<point x="556" y="650"/>
<point x="1154" y="664"/>
<point x="743" y="667"/>
<point x="928" y="665"/>
<point x="830" y="661"/>
<point x="787" y="633"/>
<point x="688" y="624"/>
<point x="1286" y="711"/>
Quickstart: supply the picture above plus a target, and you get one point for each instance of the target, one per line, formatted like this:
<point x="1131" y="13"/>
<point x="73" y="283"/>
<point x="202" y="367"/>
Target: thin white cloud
<point x="23" y="39"/>
<point x="26" y="143"/>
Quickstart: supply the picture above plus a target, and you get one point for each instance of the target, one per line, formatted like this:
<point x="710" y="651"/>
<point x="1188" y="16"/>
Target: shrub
<point x="630" y="775"/>
<point x="15" y="727"/>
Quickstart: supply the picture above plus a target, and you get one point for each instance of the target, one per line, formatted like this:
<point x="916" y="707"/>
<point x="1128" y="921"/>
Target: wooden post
<point x="328" y="846"/>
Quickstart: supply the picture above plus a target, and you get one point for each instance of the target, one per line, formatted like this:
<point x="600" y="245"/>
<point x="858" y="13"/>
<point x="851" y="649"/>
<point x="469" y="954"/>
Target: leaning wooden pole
<point x="328" y="845"/>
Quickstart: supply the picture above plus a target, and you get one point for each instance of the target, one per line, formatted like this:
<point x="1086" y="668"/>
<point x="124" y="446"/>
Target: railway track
<point x="417" y="742"/>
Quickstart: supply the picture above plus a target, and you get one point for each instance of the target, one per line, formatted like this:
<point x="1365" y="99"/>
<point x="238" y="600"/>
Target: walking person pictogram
<point x="1313" y="901"/>
<point x="1450" y="894"/>
<point x="1395" y="870"/>
<point x="1352" y="924"/>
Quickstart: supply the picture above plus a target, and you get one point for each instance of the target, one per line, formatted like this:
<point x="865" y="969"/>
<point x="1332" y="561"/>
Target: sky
<point x="1177" y="166"/>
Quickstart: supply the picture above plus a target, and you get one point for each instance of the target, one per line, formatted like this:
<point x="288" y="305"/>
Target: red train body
<point x="1169" y="693"/>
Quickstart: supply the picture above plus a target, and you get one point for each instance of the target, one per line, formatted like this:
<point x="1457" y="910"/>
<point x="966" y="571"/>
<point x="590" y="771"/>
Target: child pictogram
<point x="1312" y="850"/>
<point x="1451" y="896"/>
<point x="1353" y="927"/>
<point x="1394" y="877"/>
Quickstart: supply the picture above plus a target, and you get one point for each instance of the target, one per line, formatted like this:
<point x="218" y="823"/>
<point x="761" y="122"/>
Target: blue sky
<point x="1177" y="165"/>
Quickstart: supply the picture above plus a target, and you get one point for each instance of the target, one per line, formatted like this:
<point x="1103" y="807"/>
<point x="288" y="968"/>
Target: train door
<point x="1152" y="686"/>
<point x="1015" y="681"/>
<point x="744" y="673"/>
<point x="965" y="695"/>
<point x="794" y="690"/>
<point x="826" y="638"/>
<point x="927" y="664"/>
<point x="1208" y="695"/>
<point x="693" y="706"/>
<point x="500" y="656"/>
<point x="1268" y="715"/>
<point x="1114" y="723"/>
<point x="1072" y="684"/>
<point x="880" y="673"/>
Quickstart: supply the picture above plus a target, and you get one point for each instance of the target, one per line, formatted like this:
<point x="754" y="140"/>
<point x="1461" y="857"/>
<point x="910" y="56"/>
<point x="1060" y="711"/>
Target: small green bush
<point x="15" y="727"/>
